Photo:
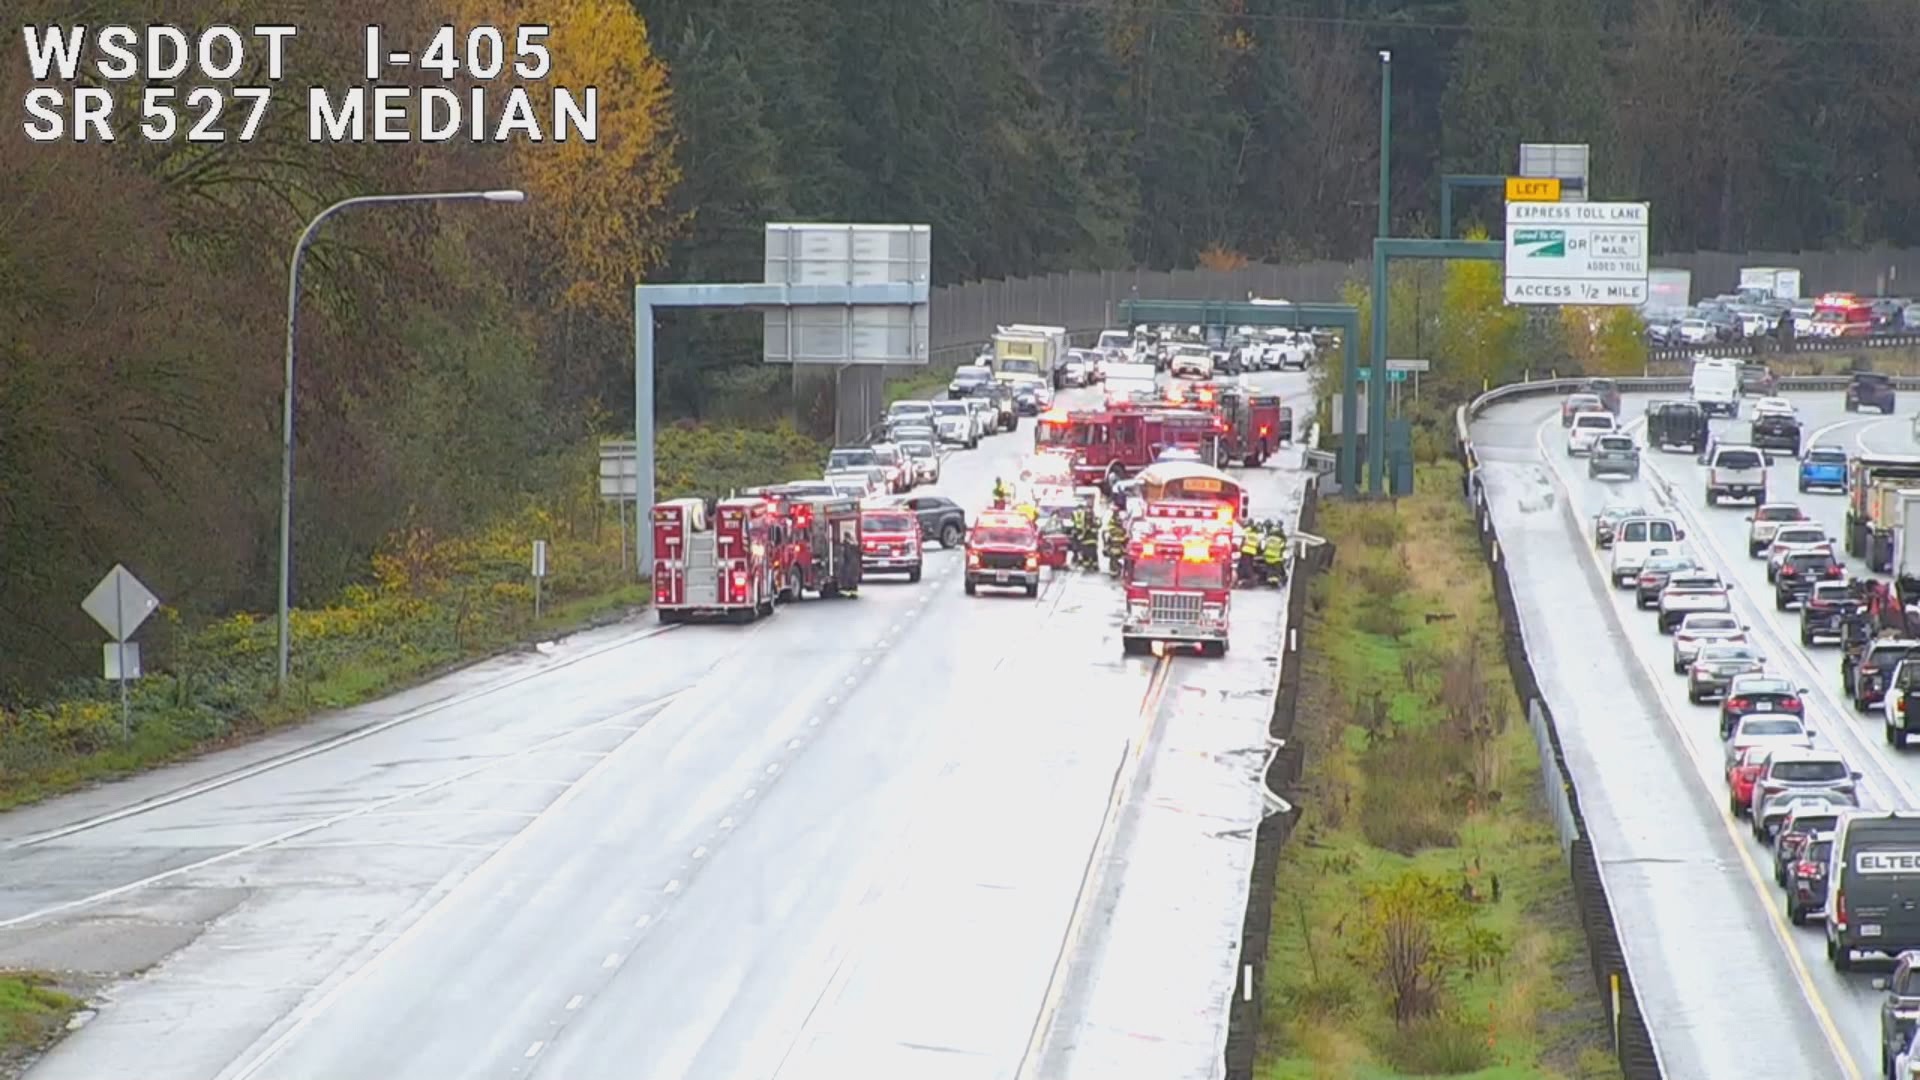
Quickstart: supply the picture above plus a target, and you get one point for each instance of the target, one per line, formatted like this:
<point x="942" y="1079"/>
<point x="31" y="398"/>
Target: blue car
<point x="1824" y="467"/>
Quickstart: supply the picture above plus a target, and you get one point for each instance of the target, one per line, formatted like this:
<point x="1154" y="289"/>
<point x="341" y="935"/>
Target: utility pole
<point x="1386" y="139"/>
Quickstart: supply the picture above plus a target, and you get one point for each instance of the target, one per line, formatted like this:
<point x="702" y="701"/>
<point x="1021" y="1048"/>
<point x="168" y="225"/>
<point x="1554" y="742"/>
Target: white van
<point x="1636" y="538"/>
<point x="1716" y="386"/>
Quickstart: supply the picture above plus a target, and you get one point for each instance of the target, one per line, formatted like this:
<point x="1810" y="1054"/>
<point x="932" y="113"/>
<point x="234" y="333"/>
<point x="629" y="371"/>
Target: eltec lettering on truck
<point x="1887" y="862"/>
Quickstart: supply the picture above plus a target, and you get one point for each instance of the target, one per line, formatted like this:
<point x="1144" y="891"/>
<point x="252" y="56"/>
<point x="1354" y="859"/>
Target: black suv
<point x="1825" y="609"/>
<point x="1777" y="431"/>
<point x="1870" y="390"/>
<point x="1676" y="423"/>
<point x="1799" y="572"/>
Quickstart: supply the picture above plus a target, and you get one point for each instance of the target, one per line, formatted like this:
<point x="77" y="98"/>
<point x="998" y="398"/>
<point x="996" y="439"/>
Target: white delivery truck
<point x="1906" y="557"/>
<point x="1770" y="282"/>
<point x="1716" y="386"/>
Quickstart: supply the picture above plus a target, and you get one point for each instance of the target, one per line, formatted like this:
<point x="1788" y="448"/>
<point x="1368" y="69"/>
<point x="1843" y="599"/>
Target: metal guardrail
<point x="1768" y="346"/>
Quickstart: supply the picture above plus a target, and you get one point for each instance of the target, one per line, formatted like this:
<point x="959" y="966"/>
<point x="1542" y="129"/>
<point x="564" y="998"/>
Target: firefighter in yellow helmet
<point x="1250" y="539"/>
<point x="1273" y="552"/>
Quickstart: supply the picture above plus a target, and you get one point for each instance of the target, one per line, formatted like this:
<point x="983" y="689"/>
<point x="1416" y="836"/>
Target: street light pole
<point x="286" y="412"/>
<point x="1386" y="137"/>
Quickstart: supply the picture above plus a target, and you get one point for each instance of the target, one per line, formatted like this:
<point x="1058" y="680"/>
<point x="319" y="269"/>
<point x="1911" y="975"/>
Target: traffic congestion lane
<point x="260" y="890"/>
<point x="1674" y="483"/>
<point x="1698" y="913"/>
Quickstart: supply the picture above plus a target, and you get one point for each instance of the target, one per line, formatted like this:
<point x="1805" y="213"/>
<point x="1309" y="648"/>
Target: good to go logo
<point x="1541" y="243"/>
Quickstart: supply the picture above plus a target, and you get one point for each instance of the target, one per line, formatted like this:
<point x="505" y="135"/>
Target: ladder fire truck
<point x="723" y="568"/>
<point x="1179" y="580"/>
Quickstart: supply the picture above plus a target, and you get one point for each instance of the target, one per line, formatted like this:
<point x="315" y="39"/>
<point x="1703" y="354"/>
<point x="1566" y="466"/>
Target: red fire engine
<point x="722" y="568"/>
<point x="1113" y="443"/>
<point x="1254" y="424"/>
<point x="818" y="548"/>
<point x="1179" y="580"/>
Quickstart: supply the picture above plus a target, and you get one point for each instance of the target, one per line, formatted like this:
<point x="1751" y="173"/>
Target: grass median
<point x="32" y="1015"/>
<point x="1423" y="923"/>
<point x="430" y="602"/>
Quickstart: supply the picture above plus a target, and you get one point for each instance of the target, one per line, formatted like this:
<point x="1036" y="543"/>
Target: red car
<point x="1740" y="778"/>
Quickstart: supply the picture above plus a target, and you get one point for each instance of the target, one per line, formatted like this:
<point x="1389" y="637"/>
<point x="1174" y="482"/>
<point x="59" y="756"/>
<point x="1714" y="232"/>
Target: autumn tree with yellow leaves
<point x="601" y="207"/>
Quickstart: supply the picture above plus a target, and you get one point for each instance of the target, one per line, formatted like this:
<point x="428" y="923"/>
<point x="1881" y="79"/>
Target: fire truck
<point x="1003" y="550"/>
<point x="718" y="568"/>
<point x="819" y="547"/>
<point x="1179" y="580"/>
<point x="1254" y="425"/>
<point x="1114" y="443"/>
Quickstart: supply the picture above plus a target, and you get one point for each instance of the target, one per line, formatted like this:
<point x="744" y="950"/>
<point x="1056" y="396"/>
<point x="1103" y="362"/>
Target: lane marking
<point x="302" y="1018"/>
<point x="291" y="757"/>
<point x="1783" y="932"/>
<point x="700" y="852"/>
<point x="1860" y="437"/>
<point x="535" y="1048"/>
<point x="673" y="886"/>
<point x="1092" y="876"/>
<point x="575" y="1001"/>
<point x="641" y="922"/>
<point x="348" y="815"/>
<point x="612" y="960"/>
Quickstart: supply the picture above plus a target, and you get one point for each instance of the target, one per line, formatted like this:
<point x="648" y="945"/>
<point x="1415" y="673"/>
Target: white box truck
<point x="1770" y="282"/>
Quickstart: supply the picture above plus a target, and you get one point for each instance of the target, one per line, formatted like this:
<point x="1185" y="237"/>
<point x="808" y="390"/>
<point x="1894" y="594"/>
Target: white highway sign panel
<point x="1576" y="253"/>
<point x="119" y="603"/>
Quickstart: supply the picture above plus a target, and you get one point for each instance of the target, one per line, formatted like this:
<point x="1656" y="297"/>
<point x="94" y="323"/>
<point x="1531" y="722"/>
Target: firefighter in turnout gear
<point x="1250" y="538"/>
<point x="1086" y="541"/>
<point x="1273" y="553"/>
<point x="1116" y="543"/>
<point x="1000" y="494"/>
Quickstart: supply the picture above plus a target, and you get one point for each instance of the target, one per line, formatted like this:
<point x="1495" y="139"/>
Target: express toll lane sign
<point x="1577" y="253"/>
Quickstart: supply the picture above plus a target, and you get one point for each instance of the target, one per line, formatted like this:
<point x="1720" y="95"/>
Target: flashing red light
<point x="1033" y="561"/>
<point x="1225" y="513"/>
<point x="804" y="515"/>
<point x="1263" y="429"/>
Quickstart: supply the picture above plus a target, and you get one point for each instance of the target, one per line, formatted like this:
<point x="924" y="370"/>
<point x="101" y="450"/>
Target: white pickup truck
<point x="1736" y="472"/>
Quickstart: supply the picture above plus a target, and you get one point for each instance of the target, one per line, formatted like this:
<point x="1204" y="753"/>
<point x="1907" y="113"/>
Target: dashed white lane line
<point x="747" y="795"/>
<point x="641" y="922"/>
<point x="773" y="767"/>
<point x="535" y="1048"/>
<point x="726" y="823"/>
<point x="700" y="852"/>
<point x="612" y="960"/>
<point x="793" y="744"/>
<point x="575" y="1002"/>
<point x="673" y="886"/>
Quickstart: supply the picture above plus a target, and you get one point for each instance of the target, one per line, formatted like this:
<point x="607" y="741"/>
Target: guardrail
<point x="1285" y="763"/>
<point x="1770" y="347"/>
<point x="1634" y="1045"/>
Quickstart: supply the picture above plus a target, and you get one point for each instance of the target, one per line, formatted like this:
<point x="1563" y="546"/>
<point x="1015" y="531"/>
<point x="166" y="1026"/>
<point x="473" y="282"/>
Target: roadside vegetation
<point x="32" y="1015"/>
<point x="1423" y="924"/>
<point x="428" y="601"/>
